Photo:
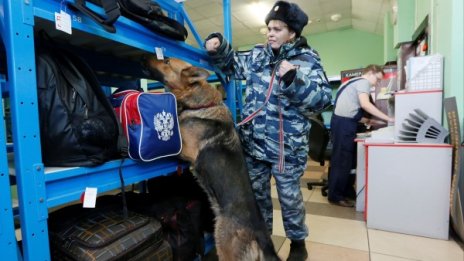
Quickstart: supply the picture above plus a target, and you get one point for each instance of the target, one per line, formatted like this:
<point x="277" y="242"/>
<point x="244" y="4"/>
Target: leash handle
<point x="281" y="165"/>
<point x="268" y="95"/>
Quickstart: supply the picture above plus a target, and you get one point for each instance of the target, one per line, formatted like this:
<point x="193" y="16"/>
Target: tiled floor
<point x="340" y="234"/>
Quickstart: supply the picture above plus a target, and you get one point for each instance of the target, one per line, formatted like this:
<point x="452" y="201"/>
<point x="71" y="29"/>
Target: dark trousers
<point x="343" y="133"/>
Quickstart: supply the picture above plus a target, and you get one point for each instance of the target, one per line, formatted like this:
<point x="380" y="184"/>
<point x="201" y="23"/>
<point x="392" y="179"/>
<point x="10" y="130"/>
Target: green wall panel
<point x="405" y="22"/>
<point x="347" y="49"/>
<point x="423" y="8"/>
<point x="389" y="52"/>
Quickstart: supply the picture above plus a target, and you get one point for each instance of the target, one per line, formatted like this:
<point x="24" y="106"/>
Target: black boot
<point x="298" y="251"/>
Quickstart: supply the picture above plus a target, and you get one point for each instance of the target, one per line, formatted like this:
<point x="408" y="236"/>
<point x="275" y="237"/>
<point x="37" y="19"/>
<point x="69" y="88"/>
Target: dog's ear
<point x="194" y="75"/>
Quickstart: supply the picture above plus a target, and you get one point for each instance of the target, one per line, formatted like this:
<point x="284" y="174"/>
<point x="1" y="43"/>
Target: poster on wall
<point x="457" y="181"/>
<point x="349" y="74"/>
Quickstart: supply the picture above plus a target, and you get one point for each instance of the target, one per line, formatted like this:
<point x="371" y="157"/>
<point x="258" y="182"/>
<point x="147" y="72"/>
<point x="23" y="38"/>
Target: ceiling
<point x="207" y="17"/>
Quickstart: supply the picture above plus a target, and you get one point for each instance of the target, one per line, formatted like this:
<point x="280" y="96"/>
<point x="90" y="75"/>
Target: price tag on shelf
<point x="159" y="53"/>
<point x="63" y="22"/>
<point x="90" y="197"/>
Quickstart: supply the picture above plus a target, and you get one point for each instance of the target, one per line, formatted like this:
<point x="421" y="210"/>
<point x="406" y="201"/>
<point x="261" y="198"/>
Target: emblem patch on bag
<point x="150" y="124"/>
<point x="164" y="125"/>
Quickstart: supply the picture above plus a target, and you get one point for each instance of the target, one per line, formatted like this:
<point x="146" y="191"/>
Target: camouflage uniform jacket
<point x="308" y="93"/>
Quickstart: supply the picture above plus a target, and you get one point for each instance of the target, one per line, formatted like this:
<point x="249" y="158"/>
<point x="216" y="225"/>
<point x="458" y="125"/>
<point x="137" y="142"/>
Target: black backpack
<point x="77" y="124"/>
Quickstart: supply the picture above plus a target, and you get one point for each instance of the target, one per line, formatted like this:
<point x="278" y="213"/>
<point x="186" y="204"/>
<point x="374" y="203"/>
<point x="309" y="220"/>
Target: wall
<point x="447" y="27"/>
<point x="405" y="19"/>
<point x="344" y="49"/>
<point x="446" y="19"/>
<point x="423" y="8"/>
<point x="454" y="80"/>
<point x="347" y="49"/>
<point x="456" y="77"/>
<point x="389" y="52"/>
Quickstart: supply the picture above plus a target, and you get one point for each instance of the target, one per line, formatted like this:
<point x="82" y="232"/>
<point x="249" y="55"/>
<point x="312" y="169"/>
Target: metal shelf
<point x="130" y="40"/>
<point x="41" y="188"/>
<point x="64" y="185"/>
<point x="8" y="242"/>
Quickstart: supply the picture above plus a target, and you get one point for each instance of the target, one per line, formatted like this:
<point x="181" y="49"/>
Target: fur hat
<point x="289" y="13"/>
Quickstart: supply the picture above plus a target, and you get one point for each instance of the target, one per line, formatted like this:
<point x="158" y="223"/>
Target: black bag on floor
<point x="181" y="222"/>
<point x="183" y="186"/>
<point x="78" y="126"/>
<point x="180" y="219"/>
<point x="105" y="234"/>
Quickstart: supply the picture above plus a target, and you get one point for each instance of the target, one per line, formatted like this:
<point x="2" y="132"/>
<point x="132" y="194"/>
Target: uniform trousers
<point x="342" y="159"/>
<point x="289" y="194"/>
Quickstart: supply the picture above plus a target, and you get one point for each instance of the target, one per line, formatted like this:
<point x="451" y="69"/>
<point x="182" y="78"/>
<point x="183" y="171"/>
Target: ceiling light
<point x="263" y="30"/>
<point x="335" y="17"/>
<point x="257" y="11"/>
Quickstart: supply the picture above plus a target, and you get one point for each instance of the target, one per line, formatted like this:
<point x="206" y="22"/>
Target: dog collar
<point x="209" y="105"/>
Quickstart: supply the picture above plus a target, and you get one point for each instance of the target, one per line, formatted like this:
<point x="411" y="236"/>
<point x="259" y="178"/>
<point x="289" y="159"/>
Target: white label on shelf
<point x="159" y="53"/>
<point x="90" y="197"/>
<point x="63" y="22"/>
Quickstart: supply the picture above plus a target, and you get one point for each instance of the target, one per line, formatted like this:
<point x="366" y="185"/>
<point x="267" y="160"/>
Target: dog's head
<point x="188" y="83"/>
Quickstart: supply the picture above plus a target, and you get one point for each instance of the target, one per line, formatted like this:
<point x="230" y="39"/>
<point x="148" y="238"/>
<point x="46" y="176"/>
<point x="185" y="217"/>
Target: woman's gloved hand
<point x="212" y="44"/>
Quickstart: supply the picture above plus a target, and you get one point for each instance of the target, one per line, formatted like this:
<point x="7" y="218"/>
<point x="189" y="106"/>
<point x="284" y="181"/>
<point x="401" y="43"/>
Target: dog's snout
<point x="167" y="61"/>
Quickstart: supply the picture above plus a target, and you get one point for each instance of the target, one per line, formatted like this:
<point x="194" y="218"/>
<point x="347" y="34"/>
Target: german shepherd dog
<point x="212" y="146"/>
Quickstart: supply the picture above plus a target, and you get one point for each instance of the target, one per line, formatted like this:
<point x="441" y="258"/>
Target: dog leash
<point x="268" y="95"/>
<point x="281" y="165"/>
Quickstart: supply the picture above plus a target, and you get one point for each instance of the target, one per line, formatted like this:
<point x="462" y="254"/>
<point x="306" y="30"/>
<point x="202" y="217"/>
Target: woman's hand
<point x="285" y="66"/>
<point x="212" y="44"/>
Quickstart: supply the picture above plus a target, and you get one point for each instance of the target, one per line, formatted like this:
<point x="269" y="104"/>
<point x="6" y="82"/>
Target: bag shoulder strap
<point x="112" y="12"/>
<point x="342" y="89"/>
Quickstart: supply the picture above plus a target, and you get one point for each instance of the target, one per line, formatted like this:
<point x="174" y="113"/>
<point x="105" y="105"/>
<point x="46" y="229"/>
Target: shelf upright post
<point x="18" y="36"/>
<point x="230" y="85"/>
<point x="8" y="242"/>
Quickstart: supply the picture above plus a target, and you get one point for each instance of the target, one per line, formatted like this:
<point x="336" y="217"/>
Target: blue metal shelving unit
<point x="17" y="34"/>
<point x="39" y="187"/>
<point x="8" y="242"/>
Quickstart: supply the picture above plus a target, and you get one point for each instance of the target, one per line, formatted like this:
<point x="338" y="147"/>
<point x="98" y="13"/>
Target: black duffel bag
<point x="150" y="15"/>
<point x="77" y="124"/>
<point x="145" y="12"/>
